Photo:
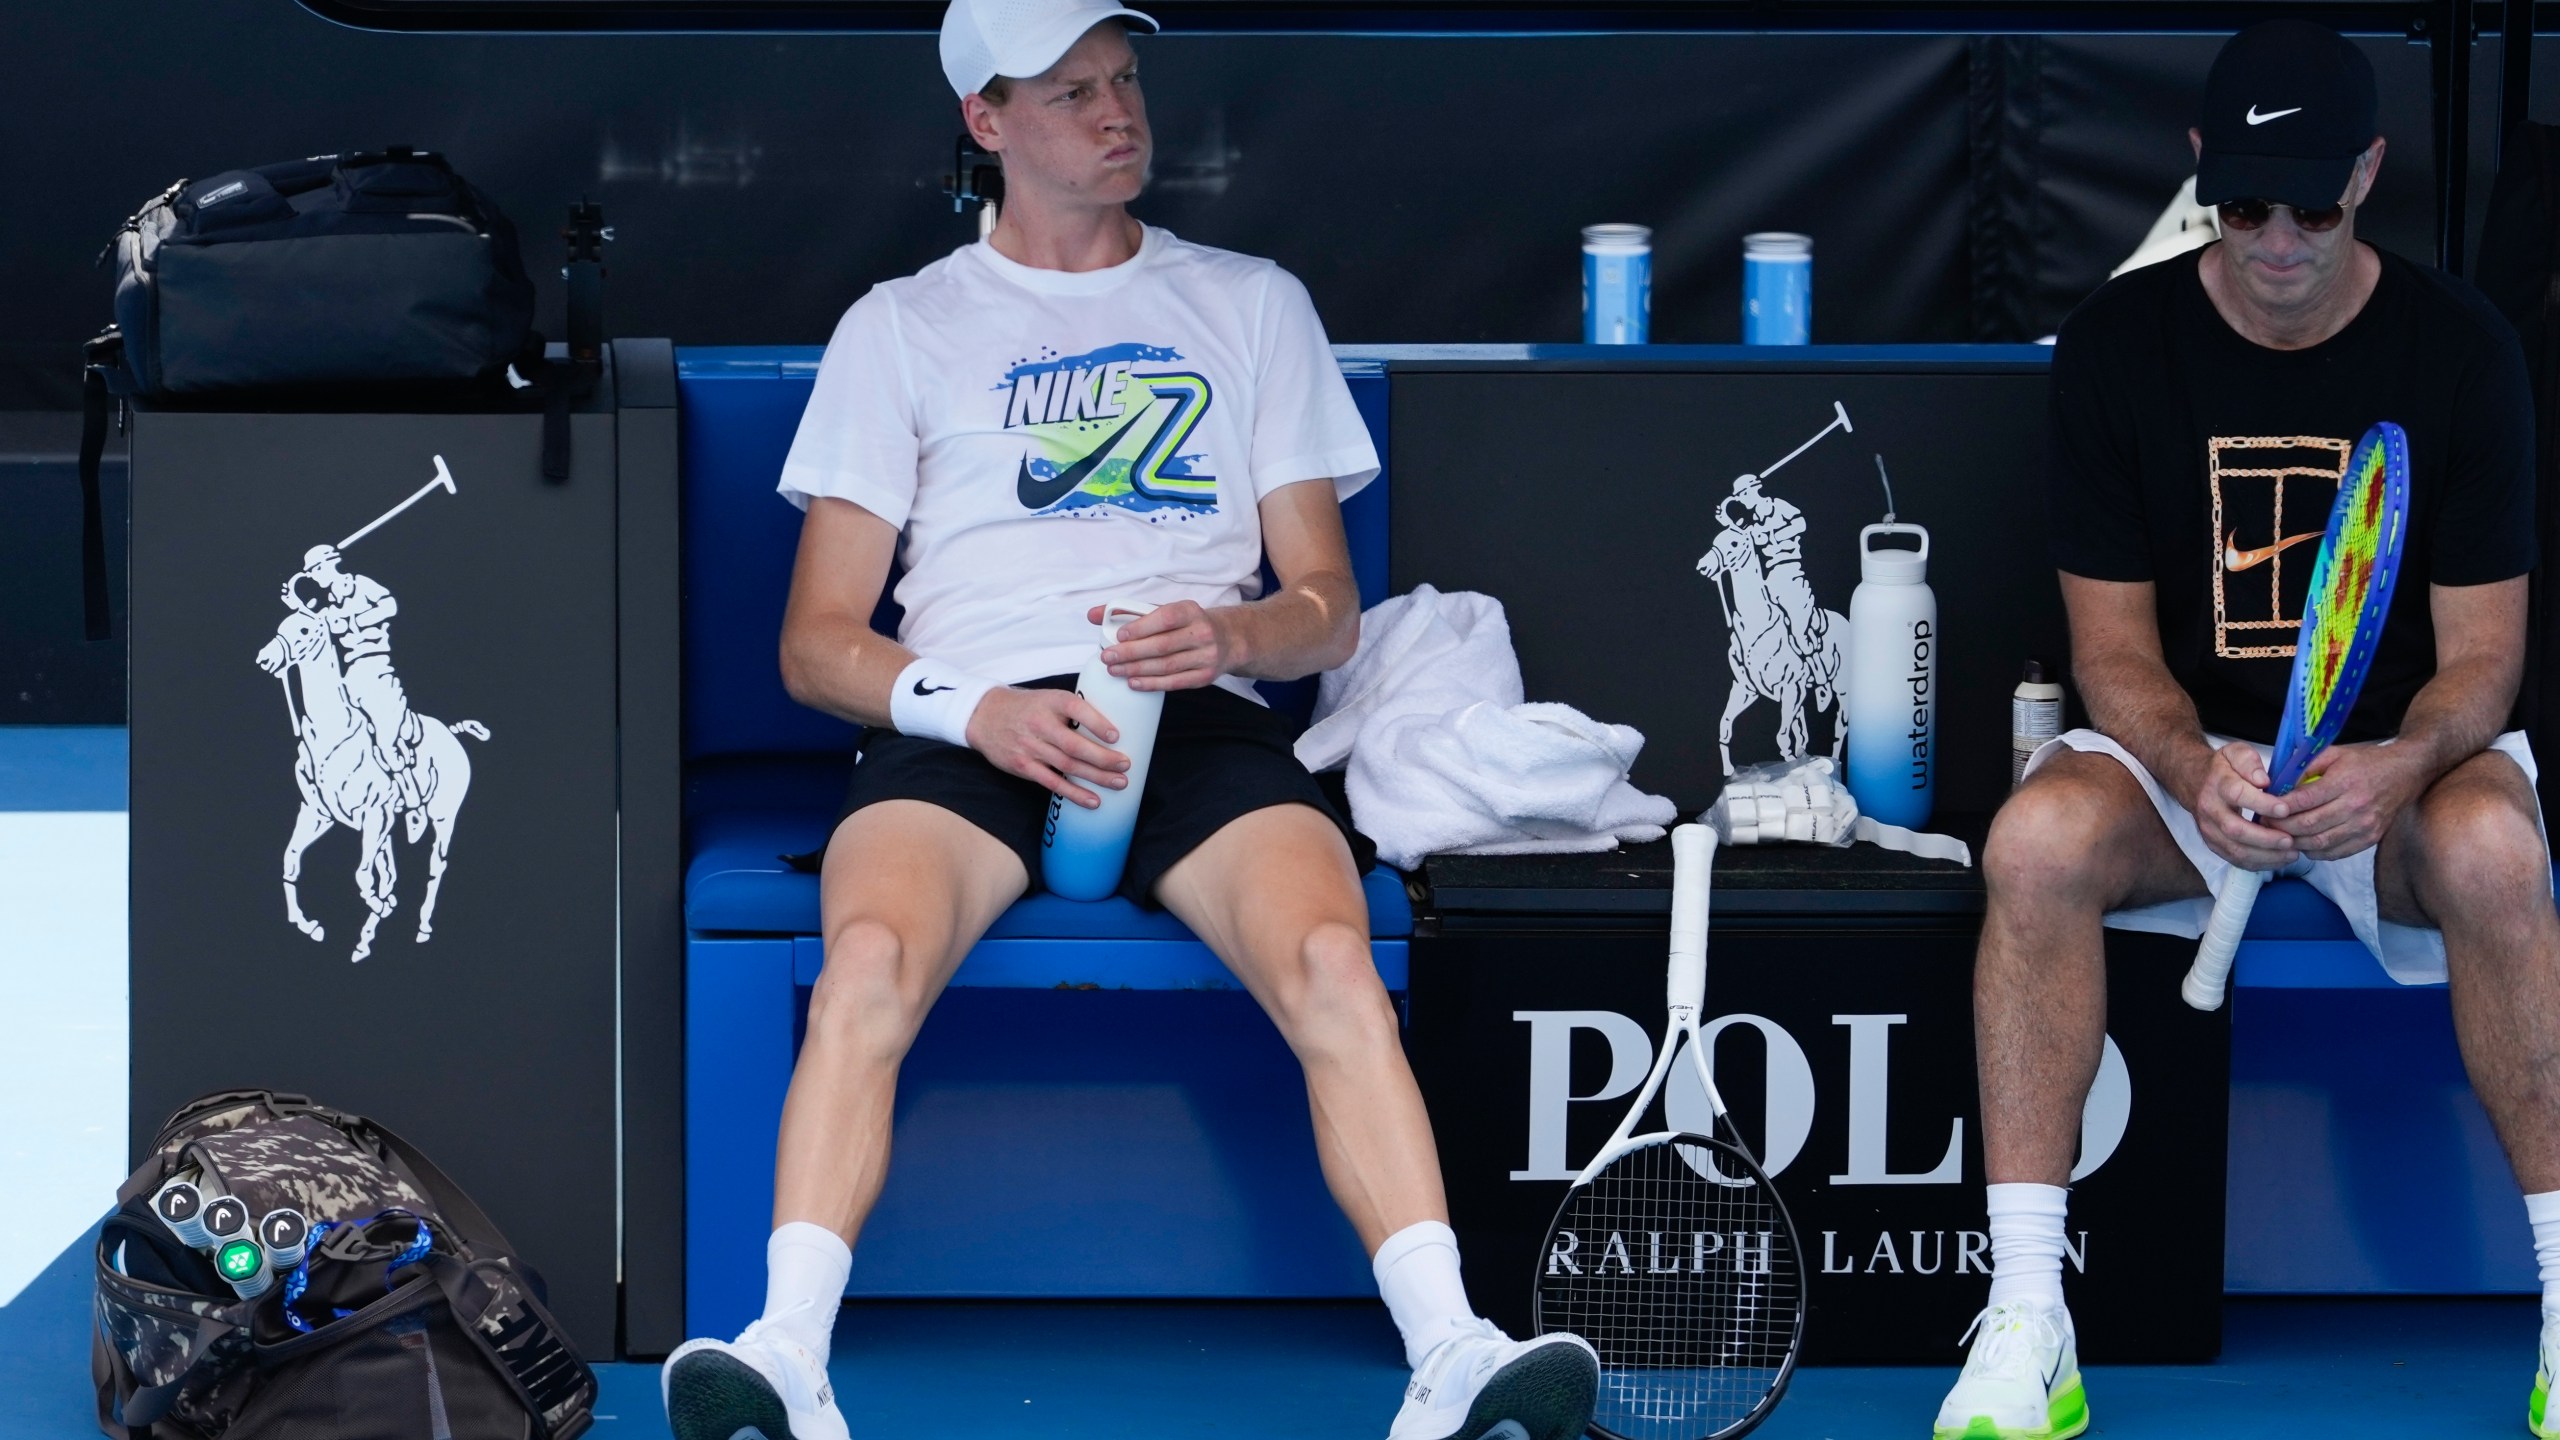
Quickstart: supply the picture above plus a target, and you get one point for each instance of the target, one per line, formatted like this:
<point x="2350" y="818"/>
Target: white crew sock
<point x="805" y="1262"/>
<point x="2026" y="1243"/>
<point x="1417" y="1272"/>
<point x="2544" y="1211"/>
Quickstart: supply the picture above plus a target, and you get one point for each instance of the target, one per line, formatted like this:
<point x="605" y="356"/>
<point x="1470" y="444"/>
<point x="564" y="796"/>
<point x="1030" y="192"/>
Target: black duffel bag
<point x="374" y="275"/>
<point x="382" y="267"/>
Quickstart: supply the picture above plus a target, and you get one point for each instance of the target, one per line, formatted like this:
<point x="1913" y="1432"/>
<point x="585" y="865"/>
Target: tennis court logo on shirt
<point x="1107" y="428"/>
<point x="2271" y="494"/>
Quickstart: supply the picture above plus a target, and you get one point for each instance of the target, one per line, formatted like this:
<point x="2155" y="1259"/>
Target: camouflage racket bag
<point x="278" y="1270"/>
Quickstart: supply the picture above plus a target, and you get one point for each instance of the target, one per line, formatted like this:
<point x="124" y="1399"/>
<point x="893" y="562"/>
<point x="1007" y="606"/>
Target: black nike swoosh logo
<point x="921" y="689"/>
<point x="1038" y="494"/>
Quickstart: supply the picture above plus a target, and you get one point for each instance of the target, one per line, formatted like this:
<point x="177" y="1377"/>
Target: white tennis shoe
<point x="1481" y="1384"/>
<point x="761" y="1386"/>
<point x="2022" y="1381"/>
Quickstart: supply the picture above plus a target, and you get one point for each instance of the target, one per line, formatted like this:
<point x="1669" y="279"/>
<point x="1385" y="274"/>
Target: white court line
<point x="62" y="998"/>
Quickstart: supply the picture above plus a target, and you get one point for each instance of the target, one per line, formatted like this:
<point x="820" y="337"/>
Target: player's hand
<point x="1033" y="734"/>
<point x="2235" y="780"/>
<point x="1180" y="646"/>
<point x="338" y="624"/>
<point x="2355" y="792"/>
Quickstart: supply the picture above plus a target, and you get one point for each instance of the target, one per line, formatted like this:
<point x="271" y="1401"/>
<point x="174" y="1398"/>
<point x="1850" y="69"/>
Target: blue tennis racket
<point x="2342" y="619"/>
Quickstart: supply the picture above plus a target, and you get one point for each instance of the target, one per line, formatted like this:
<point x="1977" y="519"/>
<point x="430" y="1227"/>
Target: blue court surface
<point x="2334" y="1369"/>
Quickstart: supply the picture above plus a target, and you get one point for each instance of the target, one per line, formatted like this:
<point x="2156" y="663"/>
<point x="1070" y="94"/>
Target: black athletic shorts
<point x="1218" y="756"/>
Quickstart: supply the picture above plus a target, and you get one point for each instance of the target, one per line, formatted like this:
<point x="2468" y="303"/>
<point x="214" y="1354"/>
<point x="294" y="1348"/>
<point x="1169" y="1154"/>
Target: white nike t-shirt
<point x="1048" y="441"/>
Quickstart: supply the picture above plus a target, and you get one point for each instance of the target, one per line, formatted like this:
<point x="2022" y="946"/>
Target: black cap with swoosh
<point x="2288" y="107"/>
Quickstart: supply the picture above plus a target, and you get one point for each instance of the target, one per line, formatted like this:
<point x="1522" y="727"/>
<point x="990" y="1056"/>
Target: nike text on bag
<point x="407" y="1316"/>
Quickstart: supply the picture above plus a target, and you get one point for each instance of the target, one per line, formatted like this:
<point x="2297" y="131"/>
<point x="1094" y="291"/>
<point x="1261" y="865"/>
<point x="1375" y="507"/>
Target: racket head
<point x="2349" y="600"/>
<point x="1698" y="1330"/>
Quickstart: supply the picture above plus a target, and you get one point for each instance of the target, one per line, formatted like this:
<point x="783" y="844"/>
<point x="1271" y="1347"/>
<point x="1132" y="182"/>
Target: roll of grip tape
<point x="243" y="1266"/>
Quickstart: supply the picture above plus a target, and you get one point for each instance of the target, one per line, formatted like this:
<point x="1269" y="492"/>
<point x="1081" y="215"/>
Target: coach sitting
<point x="2203" y="412"/>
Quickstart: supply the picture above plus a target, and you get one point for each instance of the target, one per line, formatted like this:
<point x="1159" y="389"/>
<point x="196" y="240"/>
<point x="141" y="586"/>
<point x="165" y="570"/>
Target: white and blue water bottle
<point x="1082" y="852"/>
<point x="1893" y="680"/>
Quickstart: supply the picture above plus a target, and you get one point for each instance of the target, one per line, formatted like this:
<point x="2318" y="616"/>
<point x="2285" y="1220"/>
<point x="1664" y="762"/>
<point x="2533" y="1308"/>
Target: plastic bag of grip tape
<point x="278" y="1270"/>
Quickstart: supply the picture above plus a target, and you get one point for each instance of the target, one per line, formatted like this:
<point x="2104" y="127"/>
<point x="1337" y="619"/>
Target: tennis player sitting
<point x="2187" y="398"/>
<point x="1080" y="409"/>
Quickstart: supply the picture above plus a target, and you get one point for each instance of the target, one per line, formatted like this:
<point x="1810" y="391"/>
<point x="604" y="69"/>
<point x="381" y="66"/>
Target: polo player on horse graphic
<point x="358" y="610"/>
<point x="1781" y="643"/>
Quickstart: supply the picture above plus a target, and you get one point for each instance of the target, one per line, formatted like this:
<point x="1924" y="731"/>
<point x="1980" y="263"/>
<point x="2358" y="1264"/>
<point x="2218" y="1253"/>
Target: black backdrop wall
<point x="1427" y="189"/>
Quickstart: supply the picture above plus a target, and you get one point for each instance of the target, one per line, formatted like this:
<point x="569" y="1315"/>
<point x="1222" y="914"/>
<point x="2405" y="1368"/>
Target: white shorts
<point x="2410" y="954"/>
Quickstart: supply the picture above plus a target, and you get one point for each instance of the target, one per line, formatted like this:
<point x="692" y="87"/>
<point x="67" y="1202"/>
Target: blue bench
<point x="1142" y="1132"/>
<point x="1096" y="1109"/>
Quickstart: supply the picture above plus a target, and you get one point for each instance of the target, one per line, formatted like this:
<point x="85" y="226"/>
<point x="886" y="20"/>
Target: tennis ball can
<point x="1617" y="284"/>
<point x="1892" y="692"/>
<point x="1082" y="852"/>
<point x="1777" y="288"/>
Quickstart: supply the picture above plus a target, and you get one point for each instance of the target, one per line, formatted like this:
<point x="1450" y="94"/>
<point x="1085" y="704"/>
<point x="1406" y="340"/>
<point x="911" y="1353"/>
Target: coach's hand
<point x="1033" y="734"/>
<point x="2354" y="795"/>
<point x="2235" y="780"/>
<point x="1180" y="646"/>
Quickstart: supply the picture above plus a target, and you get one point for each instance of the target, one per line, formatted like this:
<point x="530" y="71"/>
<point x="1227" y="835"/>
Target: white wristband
<point x="935" y="701"/>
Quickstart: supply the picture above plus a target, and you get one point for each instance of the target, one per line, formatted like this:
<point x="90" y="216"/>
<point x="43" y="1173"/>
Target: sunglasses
<point x="2250" y="214"/>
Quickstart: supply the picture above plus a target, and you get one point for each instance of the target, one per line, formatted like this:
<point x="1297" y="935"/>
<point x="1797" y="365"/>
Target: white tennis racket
<point x="1672" y="1253"/>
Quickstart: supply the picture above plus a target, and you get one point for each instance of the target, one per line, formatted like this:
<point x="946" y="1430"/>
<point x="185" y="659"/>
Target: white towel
<point x="1444" y="757"/>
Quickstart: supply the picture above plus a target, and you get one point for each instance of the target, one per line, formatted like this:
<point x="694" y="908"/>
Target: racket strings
<point x="1689" y="1289"/>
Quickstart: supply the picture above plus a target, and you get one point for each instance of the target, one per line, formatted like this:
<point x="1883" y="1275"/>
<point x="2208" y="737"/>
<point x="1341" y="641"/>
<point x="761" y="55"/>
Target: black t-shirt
<point x="2188" y="456"/>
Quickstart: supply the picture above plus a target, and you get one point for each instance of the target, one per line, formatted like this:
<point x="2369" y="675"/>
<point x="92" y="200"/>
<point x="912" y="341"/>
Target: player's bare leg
<point x="2468" y="860"/>
<point x="1273" y="892"/>
<point x="2080" y="838"/>
<point x="906" y="889"/>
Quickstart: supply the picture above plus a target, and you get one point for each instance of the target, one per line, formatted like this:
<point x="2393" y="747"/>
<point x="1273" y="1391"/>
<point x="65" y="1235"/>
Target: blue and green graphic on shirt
<point x="1104" y="432"/>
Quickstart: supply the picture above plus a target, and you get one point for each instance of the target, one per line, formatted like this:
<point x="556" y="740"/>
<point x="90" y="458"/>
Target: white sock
<point x="2544" y="1211"/>
<point x="805" y="1262"/>
<point x="1417" y="1272"/>
<point x="2026" y="1243"/>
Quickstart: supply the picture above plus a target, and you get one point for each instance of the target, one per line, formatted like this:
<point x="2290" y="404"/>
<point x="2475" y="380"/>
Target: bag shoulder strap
<point x="148" y="1403"/>
<point x="454" y="1205"/>
<point x="95" y="403"/>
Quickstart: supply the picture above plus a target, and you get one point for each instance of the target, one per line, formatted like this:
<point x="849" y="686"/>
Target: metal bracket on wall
<point x="2447" y="29"/>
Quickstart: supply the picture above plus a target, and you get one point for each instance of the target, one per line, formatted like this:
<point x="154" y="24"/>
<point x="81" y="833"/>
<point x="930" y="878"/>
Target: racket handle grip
<point x="2210" y="976"/>
<point x="1693" y="851"/>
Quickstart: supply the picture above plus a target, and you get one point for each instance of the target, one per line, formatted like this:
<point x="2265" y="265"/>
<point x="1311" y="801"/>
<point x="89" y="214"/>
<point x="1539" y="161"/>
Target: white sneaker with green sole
<point x="2022" y="1381"/>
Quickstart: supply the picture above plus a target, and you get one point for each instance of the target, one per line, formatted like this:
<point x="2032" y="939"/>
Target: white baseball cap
<point x="982" y="39"/>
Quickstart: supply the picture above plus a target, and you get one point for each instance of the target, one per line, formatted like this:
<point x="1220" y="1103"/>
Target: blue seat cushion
<point x="2291" y="910"/>
<point x="743" y="815"/>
